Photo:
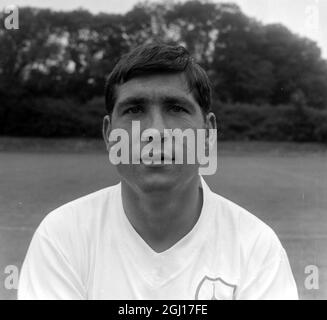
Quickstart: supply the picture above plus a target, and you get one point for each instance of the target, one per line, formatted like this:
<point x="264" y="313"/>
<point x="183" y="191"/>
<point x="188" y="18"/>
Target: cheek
<point x="120" y="124"/>
<point x="187" y="122"/>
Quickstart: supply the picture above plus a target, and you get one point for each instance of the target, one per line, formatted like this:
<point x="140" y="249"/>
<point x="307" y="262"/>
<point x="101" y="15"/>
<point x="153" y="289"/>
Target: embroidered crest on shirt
<point x="214" y="289"/>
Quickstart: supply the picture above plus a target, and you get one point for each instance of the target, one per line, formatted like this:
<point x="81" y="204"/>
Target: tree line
<point x="268" y="83"/>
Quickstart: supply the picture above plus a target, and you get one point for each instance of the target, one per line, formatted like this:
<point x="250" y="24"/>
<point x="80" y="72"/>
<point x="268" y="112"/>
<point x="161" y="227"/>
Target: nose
<point x="156" y="122"/>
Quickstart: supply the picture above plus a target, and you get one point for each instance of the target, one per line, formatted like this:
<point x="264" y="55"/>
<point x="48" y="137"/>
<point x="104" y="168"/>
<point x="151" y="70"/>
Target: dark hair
<point x="156" y="58"/>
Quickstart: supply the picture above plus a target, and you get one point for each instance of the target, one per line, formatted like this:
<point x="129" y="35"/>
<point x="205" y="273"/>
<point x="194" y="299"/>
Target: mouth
<point x="157" y="160"/>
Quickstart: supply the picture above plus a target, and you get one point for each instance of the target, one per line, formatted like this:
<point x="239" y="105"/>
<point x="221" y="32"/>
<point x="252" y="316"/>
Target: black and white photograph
<point x="163" y="150"/>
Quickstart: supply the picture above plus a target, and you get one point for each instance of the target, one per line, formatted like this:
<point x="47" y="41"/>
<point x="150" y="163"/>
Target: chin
<point x="153" y="183"/>
<point x="153" y="180"/>
<point x="157" y="180"/>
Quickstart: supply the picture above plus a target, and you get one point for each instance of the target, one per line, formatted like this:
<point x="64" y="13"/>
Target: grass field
<point x="283" y="184"/>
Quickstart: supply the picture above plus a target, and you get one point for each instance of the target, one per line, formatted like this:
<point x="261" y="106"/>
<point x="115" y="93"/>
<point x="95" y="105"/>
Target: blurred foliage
<point x="271" y="123"/>
<point x="268" y="82"/>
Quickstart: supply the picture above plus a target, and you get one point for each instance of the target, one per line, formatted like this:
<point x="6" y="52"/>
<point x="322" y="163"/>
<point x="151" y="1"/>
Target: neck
<point x="163" y="218"/>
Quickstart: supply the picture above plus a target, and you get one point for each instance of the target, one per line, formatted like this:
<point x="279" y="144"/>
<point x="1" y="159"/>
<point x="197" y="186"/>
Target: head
<point x="161" y="87"/>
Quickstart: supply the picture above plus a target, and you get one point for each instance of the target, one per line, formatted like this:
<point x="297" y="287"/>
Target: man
<point x="161" y="233"/>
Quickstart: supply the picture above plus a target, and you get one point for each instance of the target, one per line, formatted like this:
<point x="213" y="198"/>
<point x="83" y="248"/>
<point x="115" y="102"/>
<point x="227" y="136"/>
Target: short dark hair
<point x="159" y="58"/>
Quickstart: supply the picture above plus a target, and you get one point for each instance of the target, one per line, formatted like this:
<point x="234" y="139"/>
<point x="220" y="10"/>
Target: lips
<point x="157" y="159"/>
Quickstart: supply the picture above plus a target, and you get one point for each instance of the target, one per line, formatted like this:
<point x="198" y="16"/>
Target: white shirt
<point x="87" y="249"/>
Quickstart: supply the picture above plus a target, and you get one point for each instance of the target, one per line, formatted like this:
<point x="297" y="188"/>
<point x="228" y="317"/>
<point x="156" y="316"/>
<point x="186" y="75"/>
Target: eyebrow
<point x="132" y="101"/>
<point x="176" y="99"/>
<point x="167" y="99"/>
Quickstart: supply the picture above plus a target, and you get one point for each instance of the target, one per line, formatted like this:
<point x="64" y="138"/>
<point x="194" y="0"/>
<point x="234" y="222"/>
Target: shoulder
<point x="79" y="215"/>
<point x="254" y="239"/>
<point x="67" y="237"/>
<point x="251" y="254"/>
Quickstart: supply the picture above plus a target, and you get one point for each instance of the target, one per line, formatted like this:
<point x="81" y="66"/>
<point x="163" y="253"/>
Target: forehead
<point x="154" y="86"/>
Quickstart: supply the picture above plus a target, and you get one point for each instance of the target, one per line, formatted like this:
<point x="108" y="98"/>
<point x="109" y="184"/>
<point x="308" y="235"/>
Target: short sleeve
<point x="47" y="274"/>
<point x="271" y="280"/>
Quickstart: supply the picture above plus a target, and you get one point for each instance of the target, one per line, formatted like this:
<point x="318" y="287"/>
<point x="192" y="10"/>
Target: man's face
<point x="157" y="102"/>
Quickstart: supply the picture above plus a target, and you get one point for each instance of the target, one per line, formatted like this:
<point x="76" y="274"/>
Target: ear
<point x="210" y="123"/>
<point x="106" y="129"/>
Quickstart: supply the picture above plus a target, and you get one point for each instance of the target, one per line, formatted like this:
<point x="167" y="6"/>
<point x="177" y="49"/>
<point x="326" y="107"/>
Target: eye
<point x="177" y="108"/>
<point x="134" y="110"/>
